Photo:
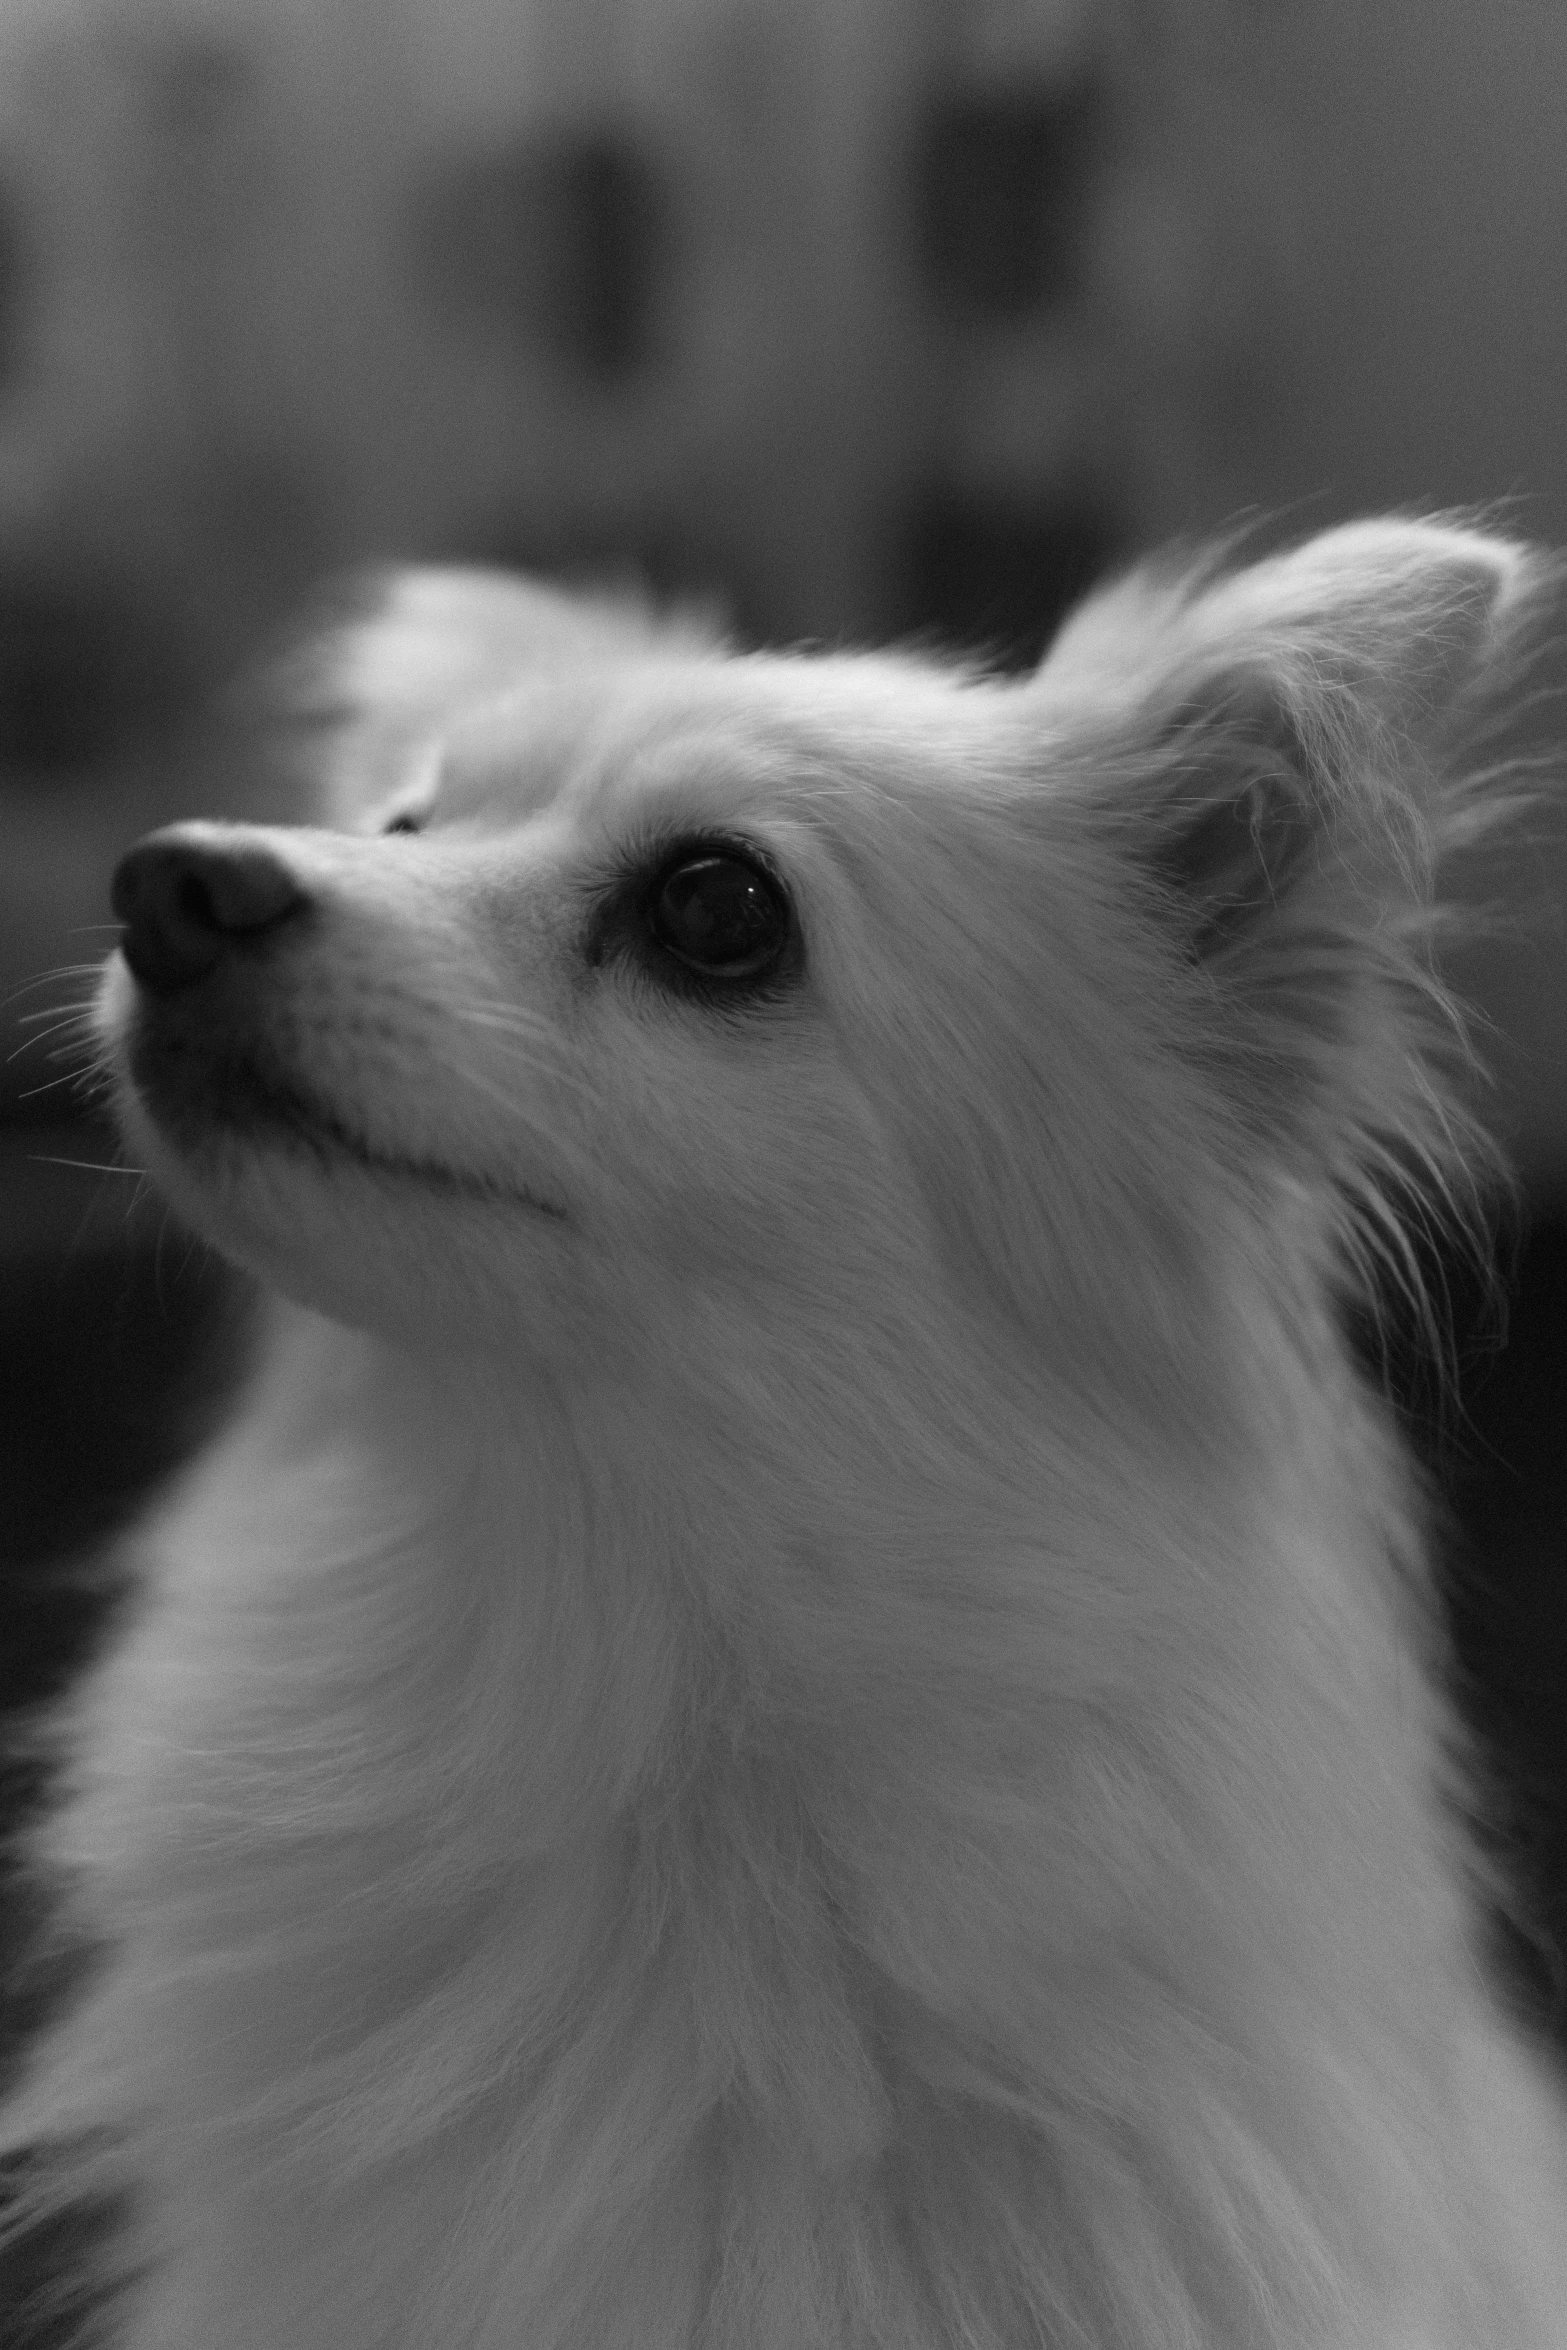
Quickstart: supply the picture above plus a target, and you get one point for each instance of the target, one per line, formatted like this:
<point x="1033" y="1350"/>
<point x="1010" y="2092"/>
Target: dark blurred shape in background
<point x="1003" y="174"/>
<point x="999" y="576"/>
<point x="556" y="242"/>
<point x="859" y="316"/>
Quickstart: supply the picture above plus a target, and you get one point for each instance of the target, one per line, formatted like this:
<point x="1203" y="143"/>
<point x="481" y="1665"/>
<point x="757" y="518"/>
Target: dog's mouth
<point x="194" y="1099"/>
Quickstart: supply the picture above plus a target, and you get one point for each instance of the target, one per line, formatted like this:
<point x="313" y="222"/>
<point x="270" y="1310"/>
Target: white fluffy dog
<point x="800" y="1708"/>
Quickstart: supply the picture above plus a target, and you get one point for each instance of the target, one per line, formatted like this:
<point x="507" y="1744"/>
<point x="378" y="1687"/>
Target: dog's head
<point x="640" y="1000"/>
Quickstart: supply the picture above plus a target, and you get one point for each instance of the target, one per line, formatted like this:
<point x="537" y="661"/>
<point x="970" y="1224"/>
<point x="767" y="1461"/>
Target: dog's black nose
<point x="188" y="893"/>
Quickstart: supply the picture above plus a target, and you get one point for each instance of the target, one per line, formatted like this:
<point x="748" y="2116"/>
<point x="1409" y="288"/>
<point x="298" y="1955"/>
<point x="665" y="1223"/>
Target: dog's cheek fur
<point x="1064" y="1145"/>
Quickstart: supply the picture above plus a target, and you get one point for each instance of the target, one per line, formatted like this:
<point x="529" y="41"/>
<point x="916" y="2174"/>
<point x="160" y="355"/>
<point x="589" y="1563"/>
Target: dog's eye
<point x="406" y="822"/>
<point x="720" y="914"/>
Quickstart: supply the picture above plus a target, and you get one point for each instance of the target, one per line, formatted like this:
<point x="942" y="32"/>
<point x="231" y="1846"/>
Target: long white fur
<point x="840" y="1742"/>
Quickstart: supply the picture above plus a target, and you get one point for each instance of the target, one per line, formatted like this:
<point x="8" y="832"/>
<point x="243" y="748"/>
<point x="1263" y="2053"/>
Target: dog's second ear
<point x="1303" y="716"/>
<point x="382" y="680"/>
<point x="1287" y="750"/>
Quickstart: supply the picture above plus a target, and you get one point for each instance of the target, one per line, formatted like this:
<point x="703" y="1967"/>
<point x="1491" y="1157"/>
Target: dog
<point x="803" y="1705"/>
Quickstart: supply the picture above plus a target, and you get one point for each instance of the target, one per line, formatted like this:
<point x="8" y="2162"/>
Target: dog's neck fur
<point x="1010" y="1927"/>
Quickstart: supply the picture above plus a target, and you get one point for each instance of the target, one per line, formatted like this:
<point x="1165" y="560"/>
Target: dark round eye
<point x="720" y="914"/>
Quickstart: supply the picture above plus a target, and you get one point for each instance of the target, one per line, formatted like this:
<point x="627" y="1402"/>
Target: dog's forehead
<point x="608" y="741"/>
<point x="710" y="741"/>
<point x="517" y="750"/>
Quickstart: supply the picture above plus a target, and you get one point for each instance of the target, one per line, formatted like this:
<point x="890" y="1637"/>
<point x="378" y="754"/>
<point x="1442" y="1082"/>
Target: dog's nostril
<point x="193" y="903"/>
<point x="188" y="895"/>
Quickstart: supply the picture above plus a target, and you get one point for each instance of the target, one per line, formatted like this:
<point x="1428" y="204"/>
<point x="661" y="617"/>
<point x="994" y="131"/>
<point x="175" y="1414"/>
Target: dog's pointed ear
<point x="1288" y="748"/>
<point x="407" y="652"/>
<point x="1302" y="720"/>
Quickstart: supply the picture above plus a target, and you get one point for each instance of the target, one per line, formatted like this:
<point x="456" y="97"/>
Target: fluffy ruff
<point x="800" y="1708"/>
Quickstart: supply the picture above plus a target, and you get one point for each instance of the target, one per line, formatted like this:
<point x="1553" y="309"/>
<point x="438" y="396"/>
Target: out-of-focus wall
<point x="1429" y="351"/>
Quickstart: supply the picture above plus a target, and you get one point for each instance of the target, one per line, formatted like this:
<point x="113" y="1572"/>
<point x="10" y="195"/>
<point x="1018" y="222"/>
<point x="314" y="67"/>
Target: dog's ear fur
<point x="409" y="651"/>
<point x="1299" y="741"/>
<point x="1309" y="717"/>
<point x="1279" y="756"/>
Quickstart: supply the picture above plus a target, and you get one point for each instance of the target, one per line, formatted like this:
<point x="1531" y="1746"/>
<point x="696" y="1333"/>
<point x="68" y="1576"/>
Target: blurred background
<point x="865" y="316"/>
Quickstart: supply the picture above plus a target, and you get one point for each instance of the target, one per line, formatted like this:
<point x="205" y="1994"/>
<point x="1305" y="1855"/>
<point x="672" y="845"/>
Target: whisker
<point x="514" y="1017"/>
<point x="524" y="1029"/>
<point x="70" y="1020"/>
<point x="47" y="978"/>
<point x="88" y="1166"/>
<point x="59" y="1014"/>
<point x="48" y="1084"/>
<point x="52" y="1011"/>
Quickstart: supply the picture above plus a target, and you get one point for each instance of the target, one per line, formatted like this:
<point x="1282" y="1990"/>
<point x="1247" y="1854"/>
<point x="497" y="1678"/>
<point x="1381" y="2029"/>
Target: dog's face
<point x="662" y="1002"/>
<point x="561" y="1044"/>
